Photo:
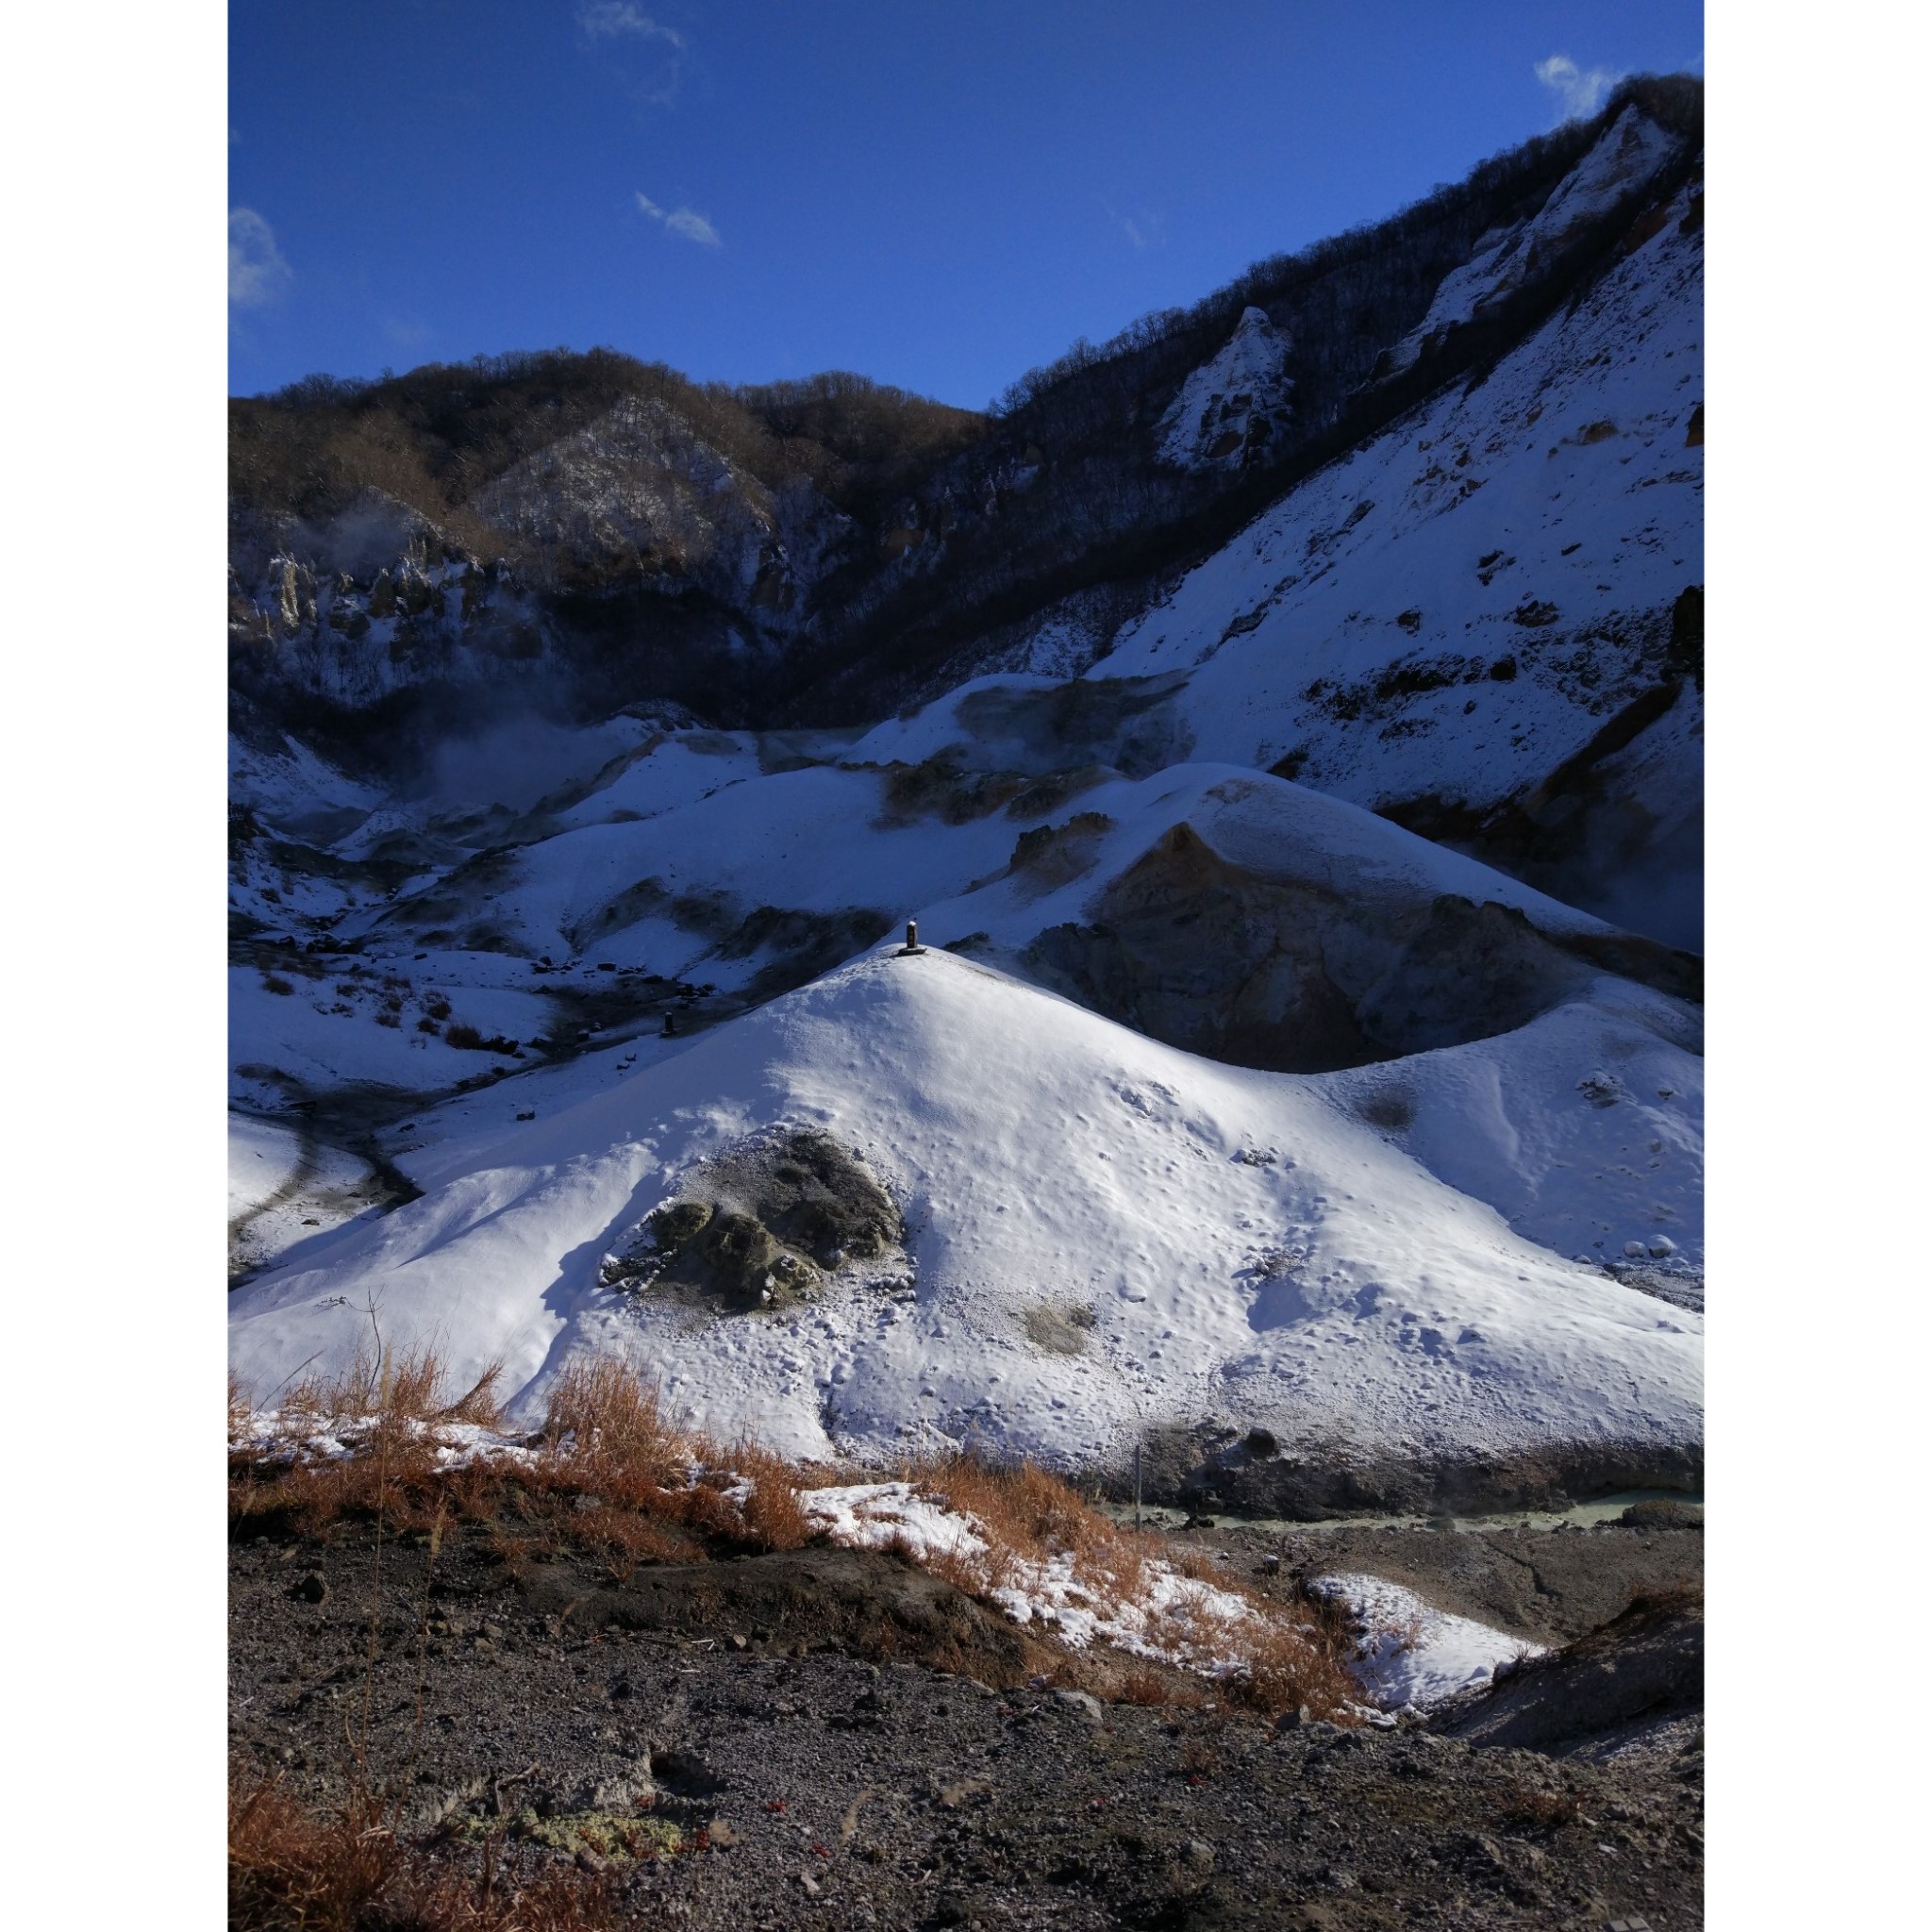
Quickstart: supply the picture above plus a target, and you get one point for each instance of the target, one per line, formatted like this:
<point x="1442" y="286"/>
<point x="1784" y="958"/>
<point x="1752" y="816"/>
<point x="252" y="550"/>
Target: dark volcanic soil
<point x="857" y="1745"/>
<point x="1551" y="1585"/>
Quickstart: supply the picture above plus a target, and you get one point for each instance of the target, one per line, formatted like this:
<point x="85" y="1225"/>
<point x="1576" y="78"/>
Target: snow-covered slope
<point x="1632" y="151"/>
<point x="1242" y="1252"/>
<point x="1456" y="609"/>
<point x="282" y="1183"/>
<point x="1236" y="1106"/>
<point x="1533" y="521"/>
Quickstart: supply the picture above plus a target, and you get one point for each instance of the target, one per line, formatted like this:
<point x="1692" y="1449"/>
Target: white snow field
<point x="1628" y="155"/>
<point x="1213" y="418"/>
<point x="1412" y="1655"/>
<point x="1249" y="1253"/>
<point x="816" y="850"/>
<point x="284" y="1187"/>
<point x="1583" y="1129"/>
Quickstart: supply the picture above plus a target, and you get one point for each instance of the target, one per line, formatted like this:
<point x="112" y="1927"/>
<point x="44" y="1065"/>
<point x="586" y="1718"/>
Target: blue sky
<point x="937" y="197"/>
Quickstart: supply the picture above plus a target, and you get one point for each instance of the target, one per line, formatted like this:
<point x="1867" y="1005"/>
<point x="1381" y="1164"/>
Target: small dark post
<point x="670" y="1026"/>
<point x="911" y="944"/>
<point x="1137" y="1483"/>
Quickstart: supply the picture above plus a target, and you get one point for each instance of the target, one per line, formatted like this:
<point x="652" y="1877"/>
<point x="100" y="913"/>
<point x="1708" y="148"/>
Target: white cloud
<point x="1580" y="89"/>
<point x="682" y="220"/>
<point x="605" y="20"/>
<point x="645" y="58"/>
<point x="256" y="272"/>
<point x="692" y="227"/>
<point x="1143" y="229"/>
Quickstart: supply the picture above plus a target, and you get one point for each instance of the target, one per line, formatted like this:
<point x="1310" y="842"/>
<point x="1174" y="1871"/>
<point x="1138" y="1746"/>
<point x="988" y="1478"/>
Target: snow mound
<point x="1583" y="1129"/>
<point x="879" y="1516"/>
<point x="1230" y="408"/>
<point x="1413" y="1656"/>
<point x="1227" y="1247"/>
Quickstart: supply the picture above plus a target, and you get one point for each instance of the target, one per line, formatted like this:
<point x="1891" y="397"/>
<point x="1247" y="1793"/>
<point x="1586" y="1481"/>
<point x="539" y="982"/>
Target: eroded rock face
<point x="639" y="490"/>
<point x="1645" y="1666"/>
<point x="1233" y="407"/>
<point x="1284" y="974"/>
<point x="763" y="1226"/>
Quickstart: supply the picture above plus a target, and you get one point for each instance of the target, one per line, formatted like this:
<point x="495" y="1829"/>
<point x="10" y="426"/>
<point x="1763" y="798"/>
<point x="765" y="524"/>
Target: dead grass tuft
<point x="606" y="1427"/>
<point x="1530" y="1807"/>
<point x="1277" y="1653"/>
<point x="291" y="1870"/>
<point x="772" y="1512"/>
<point x="609" y="1473"/>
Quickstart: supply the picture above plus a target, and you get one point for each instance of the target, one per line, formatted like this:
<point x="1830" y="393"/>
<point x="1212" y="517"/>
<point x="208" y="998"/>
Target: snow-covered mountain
<point x="1466" y="620"/>
<point x="1308" y="858"/>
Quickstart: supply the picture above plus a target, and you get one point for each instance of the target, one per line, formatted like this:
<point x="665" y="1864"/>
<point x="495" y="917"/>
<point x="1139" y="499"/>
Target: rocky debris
<point x="640" y="491"/>
<point x="1645" y="1666"/>
<point x="1659" y="1513"/>
<point x="1081" y="1704"/>
<point x="763" y="1226"/>
<point x="723" y="1778"/>
<point x="1548" y="1586"/>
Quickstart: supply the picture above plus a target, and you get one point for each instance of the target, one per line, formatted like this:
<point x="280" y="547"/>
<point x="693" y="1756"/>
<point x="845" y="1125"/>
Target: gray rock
<point x="1085" y="1705"/>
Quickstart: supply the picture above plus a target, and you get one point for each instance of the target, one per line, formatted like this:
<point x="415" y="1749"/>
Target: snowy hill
<point x="1104" y="1236"/>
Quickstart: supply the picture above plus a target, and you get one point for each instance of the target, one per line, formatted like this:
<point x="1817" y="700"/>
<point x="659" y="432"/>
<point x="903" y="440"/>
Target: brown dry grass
<point x="1286" y="1652"/>
<point x="608" y="1472"/>
<point x="293" y="1870"/>
<point x="1534" y="1807"/>
<point x="611" y="1474"/>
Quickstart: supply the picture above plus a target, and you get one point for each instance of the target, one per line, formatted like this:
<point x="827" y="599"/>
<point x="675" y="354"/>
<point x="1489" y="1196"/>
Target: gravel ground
<point x="1551" y="1585"/>
<point x="825" y="1739"/>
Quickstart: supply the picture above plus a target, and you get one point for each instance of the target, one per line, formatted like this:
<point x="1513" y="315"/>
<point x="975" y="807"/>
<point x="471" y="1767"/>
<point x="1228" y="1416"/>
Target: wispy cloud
<point x="682" y="220"/>
<point x="606" y="20"/>
<point x="1580" y="89"/>
<point x="648" y="58"/>
<point x="405" y="331"/>
<point x="256" y="272"/>
<point x="1143" y="227"/>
